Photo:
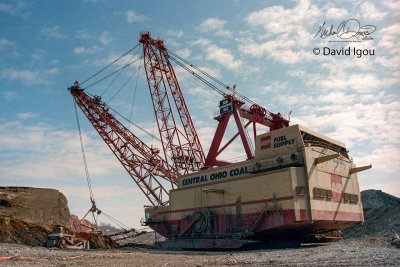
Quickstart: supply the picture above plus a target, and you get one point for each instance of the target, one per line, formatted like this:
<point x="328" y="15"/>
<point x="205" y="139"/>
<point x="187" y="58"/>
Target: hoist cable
<point x="84" y="156"/>
<point x="137" y="126"/>
<point x="116" y="77"/>
<point x="109" y="85"/>
<point x="198" y="76"/>
<point x="120" y="89"/>
<point x="116" y="60"/>
<point x="179" y="59"/>
<point x="112" y="73"/>
<point x="199" y="69"/>
<point x="134" y="92"/>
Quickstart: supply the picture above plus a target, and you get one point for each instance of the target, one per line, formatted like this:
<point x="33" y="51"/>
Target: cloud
<point x="8" y="47"/>
<point x="175" y="34"/>
<point x="223" y="56"/>
<point x="276" y="86"/>
<point x="280" y="20"/>
<point x="393" y="5"/>
<point x="208" y="98"/>
<point x="278" y="50"/>
<point x="4" y="44"/>
<point x="336" y="13"/>
<point x="390" y="42"/>
<point x="349" y="119"/>
<point x="10" y="95"/>
<point x="390" y="62"/>
<point x="370" y="12"/>
<point x="131" y="17"/>
<point x="87" y="50"/>
<point x="53" y="32"/>
<point x="57" y="153"/>
<point x="15" y="8"/>
<point x="82" y="34"/>
<point x="202" y="42"/>
<point x="380" y="157"/>
<point x="27" y="115"/>
<point x="214" y="25"/>
<point x="287" y="33"/>
<point x="29" y="77"/>
<point x="390" y="187"/>
<point x="38" y="54"/>
<point x="184" y="53"/>
<point x="105" y="38"/>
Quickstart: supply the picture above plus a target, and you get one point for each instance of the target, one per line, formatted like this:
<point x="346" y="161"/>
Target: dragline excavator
<point x="295" y="183"/>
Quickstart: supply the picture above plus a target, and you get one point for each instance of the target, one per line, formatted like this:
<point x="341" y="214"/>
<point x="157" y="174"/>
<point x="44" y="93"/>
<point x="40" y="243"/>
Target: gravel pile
<point x="381" y="215"/>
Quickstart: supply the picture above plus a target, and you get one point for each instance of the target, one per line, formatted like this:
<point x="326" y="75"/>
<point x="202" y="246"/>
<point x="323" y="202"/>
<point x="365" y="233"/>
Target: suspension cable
<point x="134" y="93"/>
<point x="112" y="73"/>
<point x="128" y="120"/>
<point x="116" y="60"/>
<point x="134" y="124"/>
<point x="177" y="59"/>
<point x="116" y="77"/>
<point x="119" y="90"/>
<point x="198" y="76"/>
<point x="84" y="156"/>
<point x="199" y="69"/>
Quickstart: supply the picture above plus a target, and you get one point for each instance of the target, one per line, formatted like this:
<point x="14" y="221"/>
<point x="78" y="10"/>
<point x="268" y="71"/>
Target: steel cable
<point x="116" y="60"/>
<point x="84" y="156"/>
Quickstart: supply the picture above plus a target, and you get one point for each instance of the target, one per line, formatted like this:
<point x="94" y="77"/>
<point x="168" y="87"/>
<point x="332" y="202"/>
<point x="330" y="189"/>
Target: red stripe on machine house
<point x="232" y="204"/>
<point x="265" y="142"/>
<point x="336" y="215"/>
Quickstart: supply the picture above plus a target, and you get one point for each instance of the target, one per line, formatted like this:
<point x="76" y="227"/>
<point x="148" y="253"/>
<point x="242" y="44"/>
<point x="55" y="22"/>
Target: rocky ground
<point x="370" y="244"/>
<point x="364" y="252"/>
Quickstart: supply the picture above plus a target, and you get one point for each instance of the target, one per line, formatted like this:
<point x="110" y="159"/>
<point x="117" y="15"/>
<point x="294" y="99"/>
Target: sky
<point x="278" y="53"/>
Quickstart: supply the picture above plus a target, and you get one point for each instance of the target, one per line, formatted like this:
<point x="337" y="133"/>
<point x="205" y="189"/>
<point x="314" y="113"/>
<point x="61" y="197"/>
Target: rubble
<point x="381" y="215"/>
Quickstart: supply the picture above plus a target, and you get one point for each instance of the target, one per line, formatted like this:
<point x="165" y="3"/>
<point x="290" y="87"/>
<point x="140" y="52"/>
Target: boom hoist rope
<point x="112" y="73"/>
<point x="110" y="64"/>
<point x="116" y="77"/>
<point x="119" y="71"/>
<point x="189" y="67"/>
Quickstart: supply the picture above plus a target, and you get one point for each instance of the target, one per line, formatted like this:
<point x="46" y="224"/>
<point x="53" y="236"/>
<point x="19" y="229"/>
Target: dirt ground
<point x="366" y="252"/>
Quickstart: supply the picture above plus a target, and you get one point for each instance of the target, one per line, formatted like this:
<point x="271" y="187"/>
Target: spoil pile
<point x="98" y="240"/>
<point x="42" y="205"/>
<point x="381" y="216"/>
<point x="20" y="231"/>
<point x="27" y="214"/>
